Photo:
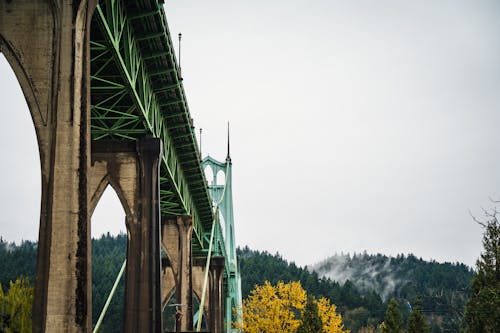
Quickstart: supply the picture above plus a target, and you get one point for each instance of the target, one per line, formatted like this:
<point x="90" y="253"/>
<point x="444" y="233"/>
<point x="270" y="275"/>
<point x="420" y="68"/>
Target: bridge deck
<point x="137" y="91"/>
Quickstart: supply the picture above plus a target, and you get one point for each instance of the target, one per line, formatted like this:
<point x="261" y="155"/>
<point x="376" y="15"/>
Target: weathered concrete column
<point x="132" y="168"/>
<point x="167" y="282"/>
<point x="199" y="265"/>
<point x="47" y="45"/>
<point x="176" y="240"/>
<point x="216" y="294"/>
<point x="143" y="283"/>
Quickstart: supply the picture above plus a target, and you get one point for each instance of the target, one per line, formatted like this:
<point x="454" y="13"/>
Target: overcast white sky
<point x="355" y="125"/>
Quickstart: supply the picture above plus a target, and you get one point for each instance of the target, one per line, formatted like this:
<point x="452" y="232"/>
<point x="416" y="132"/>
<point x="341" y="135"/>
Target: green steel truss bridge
<point x="137" y="91"/>
<point x="105" y="94"/>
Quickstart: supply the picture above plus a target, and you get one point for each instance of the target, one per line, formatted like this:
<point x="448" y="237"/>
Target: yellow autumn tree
<point x="15" y="307"/>
<point x="332" y="321"/>
<point x="278" y="309"/>
<point x="273" y="309"/>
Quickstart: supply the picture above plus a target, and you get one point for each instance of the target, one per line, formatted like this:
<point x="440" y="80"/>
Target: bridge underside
<point x="136" y="91"/>
<point x="108" y="105"/>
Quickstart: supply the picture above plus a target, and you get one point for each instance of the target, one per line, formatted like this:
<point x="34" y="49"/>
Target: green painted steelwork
<point x="136" y="92"/>
<point x="223" y="195"/>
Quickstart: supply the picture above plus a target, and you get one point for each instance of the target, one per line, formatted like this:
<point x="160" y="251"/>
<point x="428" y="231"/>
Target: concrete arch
<point x="168" y="291"/>
<point x="29" y="63"/>
<point x="32" y="56"/>
<point x="102" y="185"/>
<point x="47" y="44"/>
<point x="27" y="86"/>
<point x="21" y="168"/>
<point x="132" y="169"/>
<point x="198" y="279"/>
<point x="39" y="101"/>
<point x="118" y="168"/>
<point x="170" y="275"/>
<point x="96" y="195"/>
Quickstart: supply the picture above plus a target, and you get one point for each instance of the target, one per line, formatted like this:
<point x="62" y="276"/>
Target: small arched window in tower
<point x="209" y="175"/>
<point x="221" y="178"/>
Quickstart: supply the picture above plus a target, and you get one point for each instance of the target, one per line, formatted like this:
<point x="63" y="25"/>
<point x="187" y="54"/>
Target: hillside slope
<point x="403" y="276"/>
<point x="361" y="285"/>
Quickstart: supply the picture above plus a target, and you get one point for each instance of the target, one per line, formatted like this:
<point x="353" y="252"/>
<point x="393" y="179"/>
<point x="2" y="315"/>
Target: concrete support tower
<point x="176" y="240"/>
<point x="47" y="45"/>
<point x="132" y="168"/>
<point x="216" y="310"/>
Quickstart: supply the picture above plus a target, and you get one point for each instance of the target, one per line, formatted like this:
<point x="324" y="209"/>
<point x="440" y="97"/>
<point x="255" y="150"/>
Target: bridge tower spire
<point x="228" y="157"/>
<point x="223" y="194"/>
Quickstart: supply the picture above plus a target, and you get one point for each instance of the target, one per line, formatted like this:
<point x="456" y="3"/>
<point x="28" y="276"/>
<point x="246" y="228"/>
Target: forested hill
<point x="17" y="261"/>
<point x="361" y="285"/>
<point x="108" y="253"/>
<point x="364" y="282"/>
<point x="403" y="276"/>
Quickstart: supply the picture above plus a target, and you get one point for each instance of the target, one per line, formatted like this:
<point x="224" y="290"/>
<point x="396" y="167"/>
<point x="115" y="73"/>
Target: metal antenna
<point x="180" y="70"/>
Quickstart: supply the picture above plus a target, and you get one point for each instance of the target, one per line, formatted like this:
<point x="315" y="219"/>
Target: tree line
<point x="441" y="288"/>
<point x="460" y="301"/>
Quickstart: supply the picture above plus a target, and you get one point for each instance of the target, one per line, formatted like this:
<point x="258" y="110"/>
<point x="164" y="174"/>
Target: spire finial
<point x="228" y="158"/>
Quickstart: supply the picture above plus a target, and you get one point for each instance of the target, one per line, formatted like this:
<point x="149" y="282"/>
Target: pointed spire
<point x="228" y="158"/>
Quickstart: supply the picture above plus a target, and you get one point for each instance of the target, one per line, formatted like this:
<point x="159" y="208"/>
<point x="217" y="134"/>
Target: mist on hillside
<point x="382" y="274"/>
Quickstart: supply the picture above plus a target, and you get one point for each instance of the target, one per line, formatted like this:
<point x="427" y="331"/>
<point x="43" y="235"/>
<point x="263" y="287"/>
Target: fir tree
<point x="311" y="321"/>
<point x="416" y="321"/>
<point x="482" y="314"/>
<point x="392" y="320"/>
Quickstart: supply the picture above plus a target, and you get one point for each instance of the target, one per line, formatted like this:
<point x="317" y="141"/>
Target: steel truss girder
<point x="145" y="117"/>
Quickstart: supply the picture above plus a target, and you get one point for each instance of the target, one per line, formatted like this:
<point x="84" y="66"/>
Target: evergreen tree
<point x="311" y="321"/>
<point x="392" y="320"/>
<point x="108" y="254"/>
<point x="15" y="307"/>
<point x="416" y="321"/>
<point x="482" y="314"/>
